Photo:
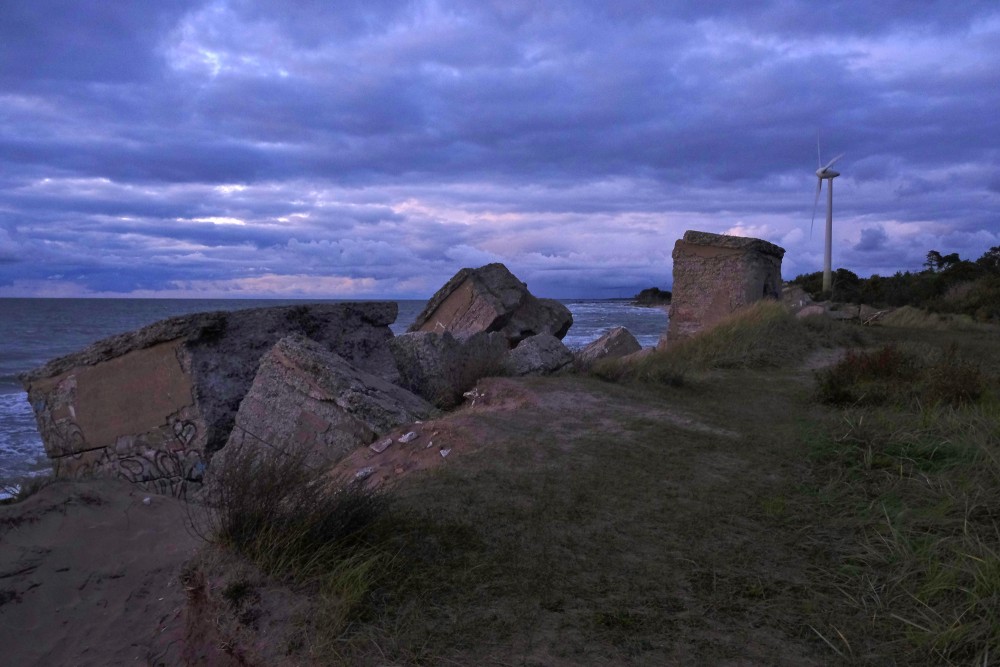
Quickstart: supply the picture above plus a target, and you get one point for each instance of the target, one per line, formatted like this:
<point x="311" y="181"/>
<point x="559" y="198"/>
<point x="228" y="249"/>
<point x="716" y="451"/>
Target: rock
<point x="715" y="274"/>
<point x="810" y="310"/>
<point x="617" y="342"/>
<point x="306" y="399"/>
<point x="868" y="314"/>
<point x="440" y="367"/>
<point x="795" y="298"/>
<point x="843" y="311"/>
<point x="409" y="437"/>
<point x="381" y="445"/>
<point x="537" y="316"/>
<point x="538" y="355"/>
<point x="491" y="298"/>
<point x="151" y="406"/>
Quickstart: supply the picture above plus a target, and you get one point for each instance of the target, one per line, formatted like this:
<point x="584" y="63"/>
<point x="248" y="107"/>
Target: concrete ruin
<point x="307" y="400"/>
<point x="715" y="274"/>
<point x="489" y="299"/>
<point x="151" y="406"/>
<point x="157" y="406"/>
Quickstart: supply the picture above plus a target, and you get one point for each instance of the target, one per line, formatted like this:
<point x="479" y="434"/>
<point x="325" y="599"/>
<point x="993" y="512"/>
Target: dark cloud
<point x="62" y="42"/>
<point x="237" y="146"/>
<point x="872" y="238"/>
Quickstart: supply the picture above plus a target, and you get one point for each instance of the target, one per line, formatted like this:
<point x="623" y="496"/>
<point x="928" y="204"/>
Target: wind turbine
<point x="825" y="173"/>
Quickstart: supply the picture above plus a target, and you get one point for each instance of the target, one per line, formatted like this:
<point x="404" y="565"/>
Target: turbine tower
<point x="825" y="173"/>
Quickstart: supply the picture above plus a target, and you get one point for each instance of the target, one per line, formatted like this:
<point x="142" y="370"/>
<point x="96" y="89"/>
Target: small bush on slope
<point x="890" y="374"/>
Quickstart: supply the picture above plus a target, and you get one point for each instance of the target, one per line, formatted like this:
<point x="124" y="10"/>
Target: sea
<point x="33" y="331"/>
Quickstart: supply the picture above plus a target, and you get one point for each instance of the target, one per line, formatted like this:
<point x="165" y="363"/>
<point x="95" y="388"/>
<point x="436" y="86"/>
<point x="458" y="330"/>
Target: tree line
<point x="947" y="284"/>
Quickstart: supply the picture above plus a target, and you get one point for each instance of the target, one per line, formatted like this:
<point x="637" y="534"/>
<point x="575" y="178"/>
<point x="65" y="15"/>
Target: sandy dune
<point x="89" y="575"/>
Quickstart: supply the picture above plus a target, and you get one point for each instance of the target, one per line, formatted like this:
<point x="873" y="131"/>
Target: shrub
<point x="286" y="516"/>
<point x="952" y="381"/>
<point x="889" y="374"/>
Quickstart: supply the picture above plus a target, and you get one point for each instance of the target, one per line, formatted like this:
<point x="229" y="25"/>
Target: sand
<point x="90" y="575"/>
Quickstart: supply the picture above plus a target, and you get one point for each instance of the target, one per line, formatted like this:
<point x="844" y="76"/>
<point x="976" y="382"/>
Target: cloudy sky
<point x="242" y="148"/>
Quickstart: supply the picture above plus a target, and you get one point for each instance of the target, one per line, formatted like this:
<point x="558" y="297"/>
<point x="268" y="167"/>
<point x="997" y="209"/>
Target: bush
<point x="285" y="516"/>
<point x="952" y="381"/>
<point x="889" y="374"/>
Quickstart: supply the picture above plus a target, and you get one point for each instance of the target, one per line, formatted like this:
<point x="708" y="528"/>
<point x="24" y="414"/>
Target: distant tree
<point x="872" y="291"/>
<point x="934" y="261"/>
<point x="811" y="283"/>
<point x="846" y="286"/>
<point x="948" y="284"/>
<point x="960" y="271"/>
<point x="990" y="261"/>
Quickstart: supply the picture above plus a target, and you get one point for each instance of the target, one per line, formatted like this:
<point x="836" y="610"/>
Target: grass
<point x="294" y="525"/>
<point x="761" y="336"/>
<point x="917" y="318"/>
<point x="742" y="517"/>
<point x="915" y="466"/>
<point x="15" y="491"/>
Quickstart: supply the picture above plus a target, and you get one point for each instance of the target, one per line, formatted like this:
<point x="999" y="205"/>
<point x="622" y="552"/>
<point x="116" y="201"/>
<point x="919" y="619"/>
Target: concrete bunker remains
<point x="715" y="274"/>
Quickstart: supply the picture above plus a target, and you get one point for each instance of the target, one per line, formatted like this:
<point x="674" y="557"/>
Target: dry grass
<point x="733" y="519"/>
<point x="917" y="318"/>
<point x="763" y="335"/>
<point x="17" y="490"/>
<point x="915" y="479"/>
<point x="291" y="524"/>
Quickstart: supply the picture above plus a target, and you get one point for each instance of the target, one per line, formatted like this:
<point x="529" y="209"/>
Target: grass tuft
<point x="298" y="526"/>
<point x="284" y="515"/>
<point x="15" y="491"/>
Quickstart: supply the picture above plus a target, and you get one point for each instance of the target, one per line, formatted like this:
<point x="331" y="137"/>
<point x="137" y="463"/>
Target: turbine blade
<point x="830" y="163"/>
<point x="819" y="156"/>
<point x="819" y="186"/>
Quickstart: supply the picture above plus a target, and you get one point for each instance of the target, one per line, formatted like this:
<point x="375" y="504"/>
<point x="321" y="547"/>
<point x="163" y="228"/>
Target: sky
<point x="371" y="149"/>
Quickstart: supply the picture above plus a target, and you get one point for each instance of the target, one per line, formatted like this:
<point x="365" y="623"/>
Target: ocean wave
<point x="21" y="450"/>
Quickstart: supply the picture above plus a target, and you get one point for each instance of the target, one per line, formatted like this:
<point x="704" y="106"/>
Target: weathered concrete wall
<point x="715" y="274"/>
<point x="151" y="406"/>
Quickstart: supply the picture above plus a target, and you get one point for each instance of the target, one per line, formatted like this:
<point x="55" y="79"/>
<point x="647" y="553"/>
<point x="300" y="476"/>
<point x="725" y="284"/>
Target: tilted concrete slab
<point x="151" y="406"/>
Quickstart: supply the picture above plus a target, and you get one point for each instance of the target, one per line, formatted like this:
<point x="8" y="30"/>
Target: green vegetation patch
<point x="913" y="470"/>
<point x="763" y="335"/>
<point x="891" y="374"/>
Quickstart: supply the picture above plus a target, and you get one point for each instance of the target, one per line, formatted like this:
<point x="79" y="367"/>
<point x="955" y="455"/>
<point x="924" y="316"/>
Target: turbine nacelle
<point x="826" y="172"/>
